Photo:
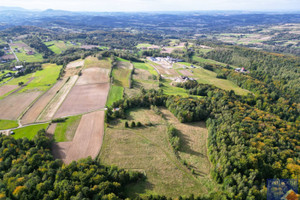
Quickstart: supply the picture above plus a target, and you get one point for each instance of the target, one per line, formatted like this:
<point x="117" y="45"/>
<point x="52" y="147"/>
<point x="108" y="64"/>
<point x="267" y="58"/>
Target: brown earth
<point x="51" y="129"/>
<point x="57" y="100"/>
<point x="32" y="114"/>
<point x="86" y="142"/>
<point x="8" y="57"/>
<point x="166" y="71"/>
<point x="12" y="106"/>
<point x="186" y="73"/>
<point x="78" y="63"/>
<point x="84" y="98"/>
<point x="7" y="88"/>
<point x="93" y="75"/>
<point x="88" y="46"/>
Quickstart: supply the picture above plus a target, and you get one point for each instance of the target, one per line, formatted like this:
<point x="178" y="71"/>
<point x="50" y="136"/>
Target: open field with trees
<point x="147" y="149"/>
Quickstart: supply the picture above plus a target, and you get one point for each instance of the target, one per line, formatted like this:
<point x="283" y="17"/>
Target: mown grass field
<point x="29" y="131"/>
<point x="115" y="94"/>
<point x="43" y="79"/>
<point x="7" y="124"/>
<point x="147" y="149"/>
<point x="121" y="74"/>
<point x="65" y="131"/>
<point x="143" y="45"/>
<point x="145" y="66"/>
<point x="59" y="46"/>
<point x="95" y="62"/>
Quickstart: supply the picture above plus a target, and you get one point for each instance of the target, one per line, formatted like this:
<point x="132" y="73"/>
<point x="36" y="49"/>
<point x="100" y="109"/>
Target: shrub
<point x="139" y="124"/>
<point x="126" y="125"/>
<point x="132" y="124"/>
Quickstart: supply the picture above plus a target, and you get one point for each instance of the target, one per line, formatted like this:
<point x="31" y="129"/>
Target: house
<point x="18" y="68"/>
<point x="242" y="70"/>
<point x="30" y="53"/>
<point x="115" y="109"/>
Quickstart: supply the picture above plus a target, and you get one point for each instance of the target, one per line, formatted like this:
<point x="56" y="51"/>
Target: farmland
<point x="147" y="150"/>
<point x="6" y="124"/>
<point x="115" y="94"/>
<point x="121" y="74"/>
<point x="29" y="131"/>
<point x="90" y="62"/>
<point x="21" y="50"/>
<point x="59" y="46"/>
<point x="65" y="131"/>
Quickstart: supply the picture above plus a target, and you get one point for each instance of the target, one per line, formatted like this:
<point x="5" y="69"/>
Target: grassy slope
<point x="7" y="124"/>
<point x="37" y="57"/>
<point x="115" y="94"/>
<point x="147" y="149"/>
<point x="145" y="66"/>
<point x="94" y="62"/>
<point x="29" y="131"/>
<point x="65" y="131"/>
<point x="121" y="74"/>
<point x="58" y="46"/>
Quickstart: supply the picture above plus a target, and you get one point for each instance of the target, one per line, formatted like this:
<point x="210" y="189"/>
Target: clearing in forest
<point x="147" y="149"/>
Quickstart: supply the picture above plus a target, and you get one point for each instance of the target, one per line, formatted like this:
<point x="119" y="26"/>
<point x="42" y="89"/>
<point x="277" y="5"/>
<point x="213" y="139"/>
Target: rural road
<point x="14" y="53"/>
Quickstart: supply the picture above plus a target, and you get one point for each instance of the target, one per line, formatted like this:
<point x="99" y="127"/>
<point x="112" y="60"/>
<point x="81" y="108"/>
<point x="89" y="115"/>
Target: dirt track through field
<point x="32" y="114"/>
<point x="12" y="106"/>
<point x="83" y="99"/>
<point x="86" y="142"/>
<point x="57" y="100"/>
<point x="7" y="88"/>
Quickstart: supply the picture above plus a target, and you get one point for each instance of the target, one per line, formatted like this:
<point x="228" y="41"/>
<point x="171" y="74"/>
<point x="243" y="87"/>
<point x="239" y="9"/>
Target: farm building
<point x="30" y="53"/>
<point x="241" y="70"/>
<point x="182" y="79"/>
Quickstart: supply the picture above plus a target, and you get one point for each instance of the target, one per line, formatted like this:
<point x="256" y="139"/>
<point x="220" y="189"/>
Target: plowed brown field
<point x="93" y="75"/>
<point x="83" y="99"/>
<point x="87" y="140"/>
<point x="12" y="106"/>
<point x="7" y="88"/>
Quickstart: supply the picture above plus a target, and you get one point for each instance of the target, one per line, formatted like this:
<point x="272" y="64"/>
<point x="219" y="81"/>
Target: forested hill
<point x="28" y="171"/>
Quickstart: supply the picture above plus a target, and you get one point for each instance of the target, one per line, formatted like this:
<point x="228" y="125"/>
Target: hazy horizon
<point x="156" y="5"/>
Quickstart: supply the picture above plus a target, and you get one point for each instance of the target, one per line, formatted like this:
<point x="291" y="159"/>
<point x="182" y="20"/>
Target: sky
<point x="156" y="5"/>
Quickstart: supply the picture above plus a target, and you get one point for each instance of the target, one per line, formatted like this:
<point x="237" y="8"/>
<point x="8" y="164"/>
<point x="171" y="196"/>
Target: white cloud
<point x="155" y="5"/>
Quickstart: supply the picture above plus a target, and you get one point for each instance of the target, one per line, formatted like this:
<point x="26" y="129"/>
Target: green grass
<point x="145" y="66"/>
<point x="95" y="62"/>
<point x="121" y="74"/>
<point x="115" y="94"/>
<point x="65" y="131"/>
<point x="123" y="60"/>
<point x="148" y="150"/>
<point x="143" y="45"/>
<point x="22" y="56"/>
<point x="29" y="131"/>
<point x="58" y="46"/>
<point x="44" y="79"/>
<point x="171" y="90"/>
<point x="7" y="124"/>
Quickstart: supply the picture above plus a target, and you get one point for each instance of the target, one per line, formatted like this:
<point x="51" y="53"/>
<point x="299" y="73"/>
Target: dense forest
<point x="28" y="171"/>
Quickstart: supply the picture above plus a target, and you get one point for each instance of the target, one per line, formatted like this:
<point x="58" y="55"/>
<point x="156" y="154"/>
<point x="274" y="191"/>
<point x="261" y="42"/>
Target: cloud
<point x="155" y="5"/>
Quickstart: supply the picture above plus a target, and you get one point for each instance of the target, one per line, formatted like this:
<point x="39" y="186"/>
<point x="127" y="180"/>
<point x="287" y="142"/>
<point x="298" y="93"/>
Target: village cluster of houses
<point x="242" y="70"/>
<point x="167" y="59"/>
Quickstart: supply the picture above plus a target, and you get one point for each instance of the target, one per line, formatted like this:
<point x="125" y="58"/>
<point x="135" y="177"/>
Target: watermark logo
<point x="282" y="189"/>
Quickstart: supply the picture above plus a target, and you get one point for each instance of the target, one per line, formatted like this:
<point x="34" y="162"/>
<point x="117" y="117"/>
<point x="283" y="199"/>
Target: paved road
<point x="14" y="53"/>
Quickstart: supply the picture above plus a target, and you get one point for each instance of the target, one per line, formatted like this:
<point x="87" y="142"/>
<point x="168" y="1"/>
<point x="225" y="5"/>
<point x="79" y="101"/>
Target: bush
<point x="126" y="125"/>
<point x="132" y="124"/>
<point x="139" y="124"/>
<point x="59" y="120"/>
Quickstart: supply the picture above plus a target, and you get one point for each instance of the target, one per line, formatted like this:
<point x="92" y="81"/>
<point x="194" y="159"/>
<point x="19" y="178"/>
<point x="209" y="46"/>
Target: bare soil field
<point x="87" y="140"/>
<point x="7" y="88"/>
<point x="74" y="64"/>
<point x="32" y="114"/>
<point x="57" y="100"/>
<point x="93" y="75"/>
<point x="84" y="98"/>
<point x="51" y="128"/>
<point x="186" y="72"/>
<point x="12" y="106"/>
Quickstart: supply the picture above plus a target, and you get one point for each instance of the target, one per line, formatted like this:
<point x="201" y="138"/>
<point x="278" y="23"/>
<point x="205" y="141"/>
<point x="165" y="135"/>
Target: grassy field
<point x="171" y="90"/>
<point x="43" y="79"/>
<point x="121" y="74"/>
<point x="29" y="131"/>
<point x="143" y="45"/>
<point x="115" y="94"/>
<point x="145" y="66"/>
<point x="95" y="62"/>
<point x="7" y="124"/>
<point x="22" y="55"/>
<point x="147" y="149"/>
<point x="65" y="131"/>
<point x="59" y="46"/>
